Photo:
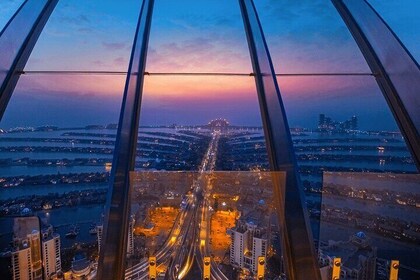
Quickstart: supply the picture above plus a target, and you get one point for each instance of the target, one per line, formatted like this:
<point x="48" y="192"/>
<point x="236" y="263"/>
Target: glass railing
<point x="369" y="220"/>
<point x="182" y="219"/>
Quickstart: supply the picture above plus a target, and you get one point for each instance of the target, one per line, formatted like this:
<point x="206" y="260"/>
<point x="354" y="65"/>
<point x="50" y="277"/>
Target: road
<point x="191" y="227"/>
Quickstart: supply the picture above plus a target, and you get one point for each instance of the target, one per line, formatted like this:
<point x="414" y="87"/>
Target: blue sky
<point x="304" y="36"/>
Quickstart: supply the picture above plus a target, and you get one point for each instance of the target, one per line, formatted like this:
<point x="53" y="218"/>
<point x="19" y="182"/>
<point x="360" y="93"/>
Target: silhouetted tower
<point x="354" y="124"/>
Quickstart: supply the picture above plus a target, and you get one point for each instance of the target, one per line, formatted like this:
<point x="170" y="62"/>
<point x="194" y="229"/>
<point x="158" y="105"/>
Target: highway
<point x="191" y="227"/>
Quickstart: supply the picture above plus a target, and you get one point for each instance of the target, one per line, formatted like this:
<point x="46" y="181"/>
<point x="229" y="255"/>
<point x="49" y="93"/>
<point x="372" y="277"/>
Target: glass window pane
<point x="403" y="19"/>
<point x="97" y="35"/>
<point x="7" y="10"/>
<point x="200" y="123"/>
<point x="308" y="36"/>
<point x="56" y="154"/>
<point x="333" y="129"/>
<point x="180" y="112"/>
<point x="197" y="36"/>
<point x="13" y="38"/>
<point x="343" y="131"/>
<point x="365" y="217"/>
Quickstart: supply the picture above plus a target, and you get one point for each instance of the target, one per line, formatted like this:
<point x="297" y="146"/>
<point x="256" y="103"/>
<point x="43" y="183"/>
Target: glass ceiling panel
<point x="402" y="17"/>
<point x="308" y="36"/>
<point x="7" y="10"/>
<point x="197" y="36"/>
<point x="96" y="35"/>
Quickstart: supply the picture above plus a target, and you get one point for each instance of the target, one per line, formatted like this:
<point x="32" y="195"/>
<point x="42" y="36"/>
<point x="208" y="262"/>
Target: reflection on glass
<point x="182" y="217"/>
<point x="369" y="220"/>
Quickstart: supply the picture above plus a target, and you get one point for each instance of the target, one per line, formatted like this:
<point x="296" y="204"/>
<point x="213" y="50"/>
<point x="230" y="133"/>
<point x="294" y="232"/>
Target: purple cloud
<point x="113" y="46"/>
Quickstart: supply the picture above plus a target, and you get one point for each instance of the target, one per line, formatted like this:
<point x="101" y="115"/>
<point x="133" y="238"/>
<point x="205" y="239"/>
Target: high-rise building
<point x="326" y="124"/>
<point x="354" y="123"/>
<point x="51" y="255"/>
<point x="36" y="254"/>
<point x="130" y="241"/>
<point x="99" y="232"/>
<point x="248" y="243"/>
<point x="321" y="121"/>
<point x="26" y="254"/>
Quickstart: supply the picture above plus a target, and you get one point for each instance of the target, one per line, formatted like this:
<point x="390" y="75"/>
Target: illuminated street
<point x="180" y="231"/>
<point x="186" y="216"/>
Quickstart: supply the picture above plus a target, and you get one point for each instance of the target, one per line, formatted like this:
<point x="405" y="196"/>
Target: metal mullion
<point x="297" y="244"/>
<point x="24" y="46"/>
<point x="113" y="252"/>
<point x="398" y="78"/>
<point x="94" y="72"/>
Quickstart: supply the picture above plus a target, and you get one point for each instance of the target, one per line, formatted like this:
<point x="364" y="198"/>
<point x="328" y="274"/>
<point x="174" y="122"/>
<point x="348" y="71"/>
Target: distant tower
<point x="26" y="254"/>
<point x="321" y="121"/>
<point x="354" y="123"/>
<point x="130" y="241"/>
<point x="99" y="232"/>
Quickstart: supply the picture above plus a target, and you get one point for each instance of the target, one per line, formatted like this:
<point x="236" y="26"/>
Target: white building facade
<point x="248" y="243"/>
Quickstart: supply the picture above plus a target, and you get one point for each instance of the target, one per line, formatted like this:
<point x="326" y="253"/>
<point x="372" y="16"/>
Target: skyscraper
<point x="354" y="123"/>
<point x="36" y="254"/>
<point x="51" y="255"/>
<point x="248" y="243"/>
<point x="26" y="254"/>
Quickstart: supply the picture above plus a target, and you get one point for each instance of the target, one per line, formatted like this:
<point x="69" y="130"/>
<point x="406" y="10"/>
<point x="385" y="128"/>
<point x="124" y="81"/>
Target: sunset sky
<point x="305" y="36"/>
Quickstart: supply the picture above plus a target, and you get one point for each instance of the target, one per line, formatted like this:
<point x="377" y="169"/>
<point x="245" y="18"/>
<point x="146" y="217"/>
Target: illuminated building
<point x="327" y="124"/>
<point x="81" y="269"/>
<point x="218" y="125"/>
<point x="51" y="255"/>
<point x="248" y="243"/>
<point x="26" y="256"/>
